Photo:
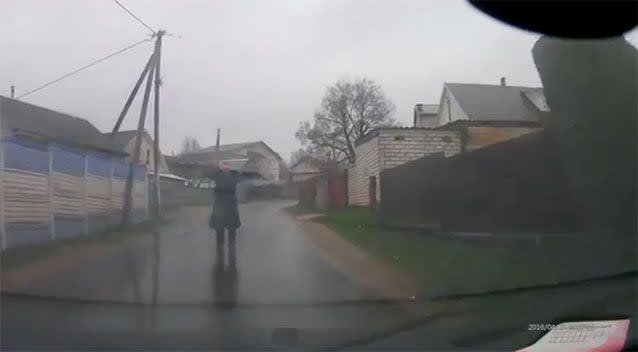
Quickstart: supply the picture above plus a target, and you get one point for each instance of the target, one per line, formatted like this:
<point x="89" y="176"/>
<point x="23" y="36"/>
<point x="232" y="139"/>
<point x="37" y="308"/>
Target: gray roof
<point x="235" y="146"/>
<point x="24" y="118"/>
<point x="313" y="161"/>
<point x="237" y="162"/>
<point x="227" y="147"/>
<point x="495" y="103"/>
<point x="207" y="156"/>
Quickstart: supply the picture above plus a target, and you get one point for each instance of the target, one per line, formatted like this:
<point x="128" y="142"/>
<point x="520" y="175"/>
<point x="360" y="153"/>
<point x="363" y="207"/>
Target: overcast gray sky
<point x="253" y="68"/>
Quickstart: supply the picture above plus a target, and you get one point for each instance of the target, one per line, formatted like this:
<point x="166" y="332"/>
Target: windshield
<point x="389" y="175"/>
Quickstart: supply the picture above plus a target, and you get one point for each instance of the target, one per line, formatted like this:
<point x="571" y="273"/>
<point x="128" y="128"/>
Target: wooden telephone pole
<point x="217" y="147"/>
<point x="151" y="70"/>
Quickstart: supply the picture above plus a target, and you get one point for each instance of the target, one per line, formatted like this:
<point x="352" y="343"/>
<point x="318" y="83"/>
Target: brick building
<point x="470" y="117"/>
<point x="390" y="147"/>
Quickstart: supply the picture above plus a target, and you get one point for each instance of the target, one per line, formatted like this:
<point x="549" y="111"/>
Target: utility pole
<point x="217" y="147"/>
<point x="151" y="72"/>
<point x="157" y="157"/>
<point x="127" y="105"/>
<point x="130" y="180"/>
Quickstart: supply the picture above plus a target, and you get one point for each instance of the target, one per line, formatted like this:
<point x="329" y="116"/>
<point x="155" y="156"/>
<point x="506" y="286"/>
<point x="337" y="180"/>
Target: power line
<point x="135" y="17"/>
<point x="83" y="68"/>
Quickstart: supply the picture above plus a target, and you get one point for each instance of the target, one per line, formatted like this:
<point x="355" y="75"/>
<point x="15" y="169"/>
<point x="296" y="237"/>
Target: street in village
<point x="434" y="199"/>
<point x="281" y="280"/>
<point x="283" y="291"/>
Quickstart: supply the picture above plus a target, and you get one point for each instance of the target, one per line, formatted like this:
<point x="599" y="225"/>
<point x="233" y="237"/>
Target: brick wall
<point x="391" y="148"/>
<point x="366" y="165"/>
<point x="399" y="146"/>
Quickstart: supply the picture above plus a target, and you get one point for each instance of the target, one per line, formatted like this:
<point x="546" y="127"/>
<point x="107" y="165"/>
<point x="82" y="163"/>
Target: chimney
<point x="502" y="81"/>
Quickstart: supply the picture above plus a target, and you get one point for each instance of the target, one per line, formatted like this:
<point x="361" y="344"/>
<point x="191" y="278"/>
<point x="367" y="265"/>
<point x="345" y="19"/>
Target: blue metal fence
<point x="67" y="160"/>
<point x="25" y="155"/>
<point x="120" y="168"/>
<point x="98" y="164"/>
<point x="44" y="192"/>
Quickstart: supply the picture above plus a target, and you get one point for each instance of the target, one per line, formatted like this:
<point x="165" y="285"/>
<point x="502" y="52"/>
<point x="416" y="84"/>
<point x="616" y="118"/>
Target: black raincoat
<point x="225" y="213"/>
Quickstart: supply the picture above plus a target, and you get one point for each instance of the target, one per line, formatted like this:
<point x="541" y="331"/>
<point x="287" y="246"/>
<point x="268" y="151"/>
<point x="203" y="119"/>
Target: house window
<point x="148" y="156"/>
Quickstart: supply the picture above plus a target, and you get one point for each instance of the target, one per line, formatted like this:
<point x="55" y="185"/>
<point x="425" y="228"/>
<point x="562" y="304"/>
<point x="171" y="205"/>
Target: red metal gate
<point x="338" y="190"/>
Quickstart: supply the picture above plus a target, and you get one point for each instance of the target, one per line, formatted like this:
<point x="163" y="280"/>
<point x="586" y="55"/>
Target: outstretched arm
<point x="213" y="173"/>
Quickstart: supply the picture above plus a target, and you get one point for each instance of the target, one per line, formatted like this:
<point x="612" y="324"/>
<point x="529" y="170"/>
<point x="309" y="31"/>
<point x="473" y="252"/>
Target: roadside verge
<point x="388" y="281"/>
<point x="442" y="265"/>
<point x="21" y="266"/>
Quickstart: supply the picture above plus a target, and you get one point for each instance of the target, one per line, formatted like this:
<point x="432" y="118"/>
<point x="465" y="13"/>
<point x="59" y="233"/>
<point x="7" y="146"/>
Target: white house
<point x="253" y="157"/>
<point x="426" y="115"/>
<point x="485" y="102"/>
<point x="125" y="141"/>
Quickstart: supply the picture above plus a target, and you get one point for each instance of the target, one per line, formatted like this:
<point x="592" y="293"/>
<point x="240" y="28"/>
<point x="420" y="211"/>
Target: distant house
<point x="125" y="141"/>
<point x="197" y="166"/>
<point x="426" y="115"/>
<point x="308" y="167"/>
<point x="489" y="114"/>
<point x="469" y="116"/>
<point x="483" y="102"/>
<point x="305" y="168"/>
<point x="251" y="158"/>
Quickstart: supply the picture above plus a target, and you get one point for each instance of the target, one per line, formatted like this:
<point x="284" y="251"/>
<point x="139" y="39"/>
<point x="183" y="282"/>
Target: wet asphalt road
<point x="280" y="292"/>
<point x="178" y="293"/>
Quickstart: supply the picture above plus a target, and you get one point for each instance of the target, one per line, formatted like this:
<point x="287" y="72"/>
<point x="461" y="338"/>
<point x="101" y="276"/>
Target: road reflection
<point x="225" y="276"/>
<point x="156" y="261"/>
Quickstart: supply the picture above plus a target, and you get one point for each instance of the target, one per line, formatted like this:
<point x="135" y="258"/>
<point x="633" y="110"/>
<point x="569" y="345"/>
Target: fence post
<point x="51" y="193"/>
<point x="3" y="228"/>
<point x="86" y="196"/>
<point x="147" y="189"/>
<point x="111" y="207"/>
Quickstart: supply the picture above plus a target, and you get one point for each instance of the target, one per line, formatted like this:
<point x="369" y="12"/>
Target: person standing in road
<point x="225" y="216"/>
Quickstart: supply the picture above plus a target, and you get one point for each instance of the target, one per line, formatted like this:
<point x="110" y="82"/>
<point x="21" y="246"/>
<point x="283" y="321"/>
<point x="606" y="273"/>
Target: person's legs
<point x="232" y="234"/>
<point x="219" y="232"/>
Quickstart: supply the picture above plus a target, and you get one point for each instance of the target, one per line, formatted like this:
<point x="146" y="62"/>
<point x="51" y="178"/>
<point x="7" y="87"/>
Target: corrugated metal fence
<point x="50" y="191"/>
<point x="515" y="186"/>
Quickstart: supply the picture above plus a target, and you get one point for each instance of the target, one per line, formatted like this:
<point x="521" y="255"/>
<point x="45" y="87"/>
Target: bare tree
<point x="309" y="152"/>
<point x="189" y="145"/>
<point x="348" y="111"/>
<point x="297" y="155"/>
